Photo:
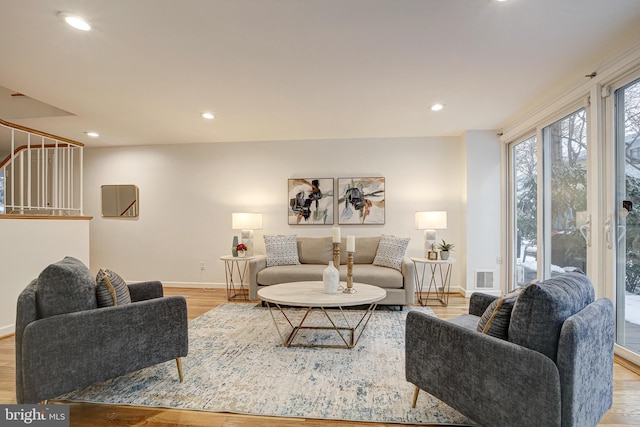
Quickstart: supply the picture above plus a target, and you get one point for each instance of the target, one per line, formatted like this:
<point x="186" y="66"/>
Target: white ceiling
<point x="298" y="69"/>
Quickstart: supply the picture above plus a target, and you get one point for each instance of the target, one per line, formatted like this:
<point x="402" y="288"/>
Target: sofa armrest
<point x="493" y="382"/>
<point x="94" y="345"/>
<point x="255" y="265"/>
<point x="409" y="280"/>
<point x="141" y="291"/>
<point x="479" y="303"/>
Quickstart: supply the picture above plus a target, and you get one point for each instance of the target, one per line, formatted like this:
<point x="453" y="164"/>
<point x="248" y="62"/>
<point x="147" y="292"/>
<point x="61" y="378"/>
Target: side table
<point x="235" y="271"/>
<point x="436" y="268"/>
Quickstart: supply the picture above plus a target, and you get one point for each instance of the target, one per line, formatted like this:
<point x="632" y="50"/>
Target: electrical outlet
<point x="498" y="260"/>
<point x="201" y="265"/>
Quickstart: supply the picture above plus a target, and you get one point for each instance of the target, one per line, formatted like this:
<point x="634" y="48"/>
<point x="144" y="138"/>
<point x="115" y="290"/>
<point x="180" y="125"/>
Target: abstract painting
<point x="361" y="200"/>
<point x="310" y="201"/>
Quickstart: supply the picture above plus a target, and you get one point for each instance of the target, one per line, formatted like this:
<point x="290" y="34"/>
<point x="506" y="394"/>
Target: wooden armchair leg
<point x="415" y="397"/>
<point x="179" y="363"/>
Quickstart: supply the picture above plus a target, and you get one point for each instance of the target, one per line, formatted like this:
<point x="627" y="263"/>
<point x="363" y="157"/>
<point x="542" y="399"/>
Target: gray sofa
<point x="555" y="367"/>
<point x="315" y="253"/>
<point x="65" y="342"/>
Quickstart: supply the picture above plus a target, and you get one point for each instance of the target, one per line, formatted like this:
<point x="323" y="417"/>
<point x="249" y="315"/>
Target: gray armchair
<point x="63" y="352"/>
<point x="554" y="369"/>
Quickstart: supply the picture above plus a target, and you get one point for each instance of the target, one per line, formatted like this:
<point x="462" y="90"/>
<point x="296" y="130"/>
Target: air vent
<point x="484" y="279"/>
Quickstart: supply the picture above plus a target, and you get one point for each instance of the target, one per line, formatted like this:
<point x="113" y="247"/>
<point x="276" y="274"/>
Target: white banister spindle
<point x="13" y="166"/>
<point x="81" y="192"/>
<point x="28" y="174"/>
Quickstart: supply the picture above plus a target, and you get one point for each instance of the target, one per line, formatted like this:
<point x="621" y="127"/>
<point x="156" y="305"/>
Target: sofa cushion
<point x="495" y="319"/>
<point x="64" y="287"/>
<point x="366" y="248"/>
<point x="111" y="289"/>
<point x="384" y="277"/>
<point x="290" y="273"/>
<point x="542" y="308"/>
<point x="467" y="321"/>
<point x="281" y="250"/>
<point x="315" y="250"/>
<point x="391" y="251"/>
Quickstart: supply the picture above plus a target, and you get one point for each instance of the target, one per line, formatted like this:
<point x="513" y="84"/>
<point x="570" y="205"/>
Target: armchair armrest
<point x="94" y="345"/>
<point x="255" y="265"/>
<point x="141" y="291"/>
<point x="479" y="303"/>
<point x="493" y="382"/>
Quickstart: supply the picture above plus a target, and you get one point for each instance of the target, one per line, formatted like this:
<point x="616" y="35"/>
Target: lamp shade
<point x="431" y="220"/>
<point x="246" y="221"/>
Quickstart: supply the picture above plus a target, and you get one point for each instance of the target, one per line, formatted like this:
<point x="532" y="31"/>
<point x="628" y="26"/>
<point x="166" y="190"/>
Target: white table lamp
<point x="430" y="221"/>
<point x="247" y="222"/>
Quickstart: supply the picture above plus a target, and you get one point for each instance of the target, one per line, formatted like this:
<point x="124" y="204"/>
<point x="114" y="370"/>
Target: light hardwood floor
<point x="625" y="410"/>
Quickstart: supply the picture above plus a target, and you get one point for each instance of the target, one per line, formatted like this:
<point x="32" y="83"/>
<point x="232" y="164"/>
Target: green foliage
<point x="632" y="279"/>
<point x="444" y="246"/>
<point x="527" y="209"/>
<point x="569" y="195"/>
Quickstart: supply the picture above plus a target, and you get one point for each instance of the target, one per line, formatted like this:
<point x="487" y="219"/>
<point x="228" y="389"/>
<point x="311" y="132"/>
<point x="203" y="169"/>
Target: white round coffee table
<point x="311" y="296"/>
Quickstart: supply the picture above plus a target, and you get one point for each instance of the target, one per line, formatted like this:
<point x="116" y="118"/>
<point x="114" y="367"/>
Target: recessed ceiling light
<point x="437" y="107"/>
<point x="207" y="116"/>
<point x="93" y="134"/>
<point x="75" y="21"/>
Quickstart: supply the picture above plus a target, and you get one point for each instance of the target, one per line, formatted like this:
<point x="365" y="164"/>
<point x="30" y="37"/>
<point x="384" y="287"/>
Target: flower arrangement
<point x="241" y="247"/>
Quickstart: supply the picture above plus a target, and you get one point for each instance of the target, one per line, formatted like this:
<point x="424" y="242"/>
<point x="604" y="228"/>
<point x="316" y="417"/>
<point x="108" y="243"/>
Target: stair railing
<point x="42" y="175"/>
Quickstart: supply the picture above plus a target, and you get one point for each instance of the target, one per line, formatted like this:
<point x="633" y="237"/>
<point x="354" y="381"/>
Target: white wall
<point x="28" y="246"/>
<point x="483" y="207"/>
<point x="188" y="193"/>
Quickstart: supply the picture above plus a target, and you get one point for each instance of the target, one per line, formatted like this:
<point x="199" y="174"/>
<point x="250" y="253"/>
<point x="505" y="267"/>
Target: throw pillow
<point x="315" y="250"/>
<point x="281" y="250"/>
<point x="390" y="251"/>
<point x="111" y="289"/>
<point x="64" y="287"/>
<point x="495" y="319"/>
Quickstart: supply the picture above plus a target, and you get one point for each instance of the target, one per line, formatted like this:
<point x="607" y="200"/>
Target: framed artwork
<point x="310" y="201"/>
<point x="361" y="200"/>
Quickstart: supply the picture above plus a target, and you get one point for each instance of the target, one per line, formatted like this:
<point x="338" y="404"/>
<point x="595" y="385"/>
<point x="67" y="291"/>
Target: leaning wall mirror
<point x="119" y="201"/>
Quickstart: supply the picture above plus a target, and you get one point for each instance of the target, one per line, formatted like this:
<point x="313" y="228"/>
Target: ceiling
<point x="296" y="69"/>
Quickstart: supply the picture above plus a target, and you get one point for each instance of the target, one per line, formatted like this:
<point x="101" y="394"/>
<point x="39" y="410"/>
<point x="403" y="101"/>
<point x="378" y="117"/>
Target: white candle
<point x="336" y="234"/>
<point x="351" y="243"/>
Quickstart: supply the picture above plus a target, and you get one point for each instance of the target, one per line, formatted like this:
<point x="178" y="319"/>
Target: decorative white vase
<point x="444" y="255"/>
<point x="331" y="279"/>
<point x="242" y="254"/>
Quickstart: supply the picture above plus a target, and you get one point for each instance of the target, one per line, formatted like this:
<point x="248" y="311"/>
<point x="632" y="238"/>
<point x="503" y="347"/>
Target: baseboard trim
<point x="202" y="285"/>
<point x="494" y="292"/>
<point x="8" y="330"/>
<point x="627" y="364"/>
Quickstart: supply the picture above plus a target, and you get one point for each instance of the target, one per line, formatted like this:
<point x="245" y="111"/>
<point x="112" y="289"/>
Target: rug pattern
<point x="237" y="364"/>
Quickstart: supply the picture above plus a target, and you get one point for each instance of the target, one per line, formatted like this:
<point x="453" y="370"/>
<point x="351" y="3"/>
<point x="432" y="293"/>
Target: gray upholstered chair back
<point x="65" y="345"/>
<point x="554" y="369"/>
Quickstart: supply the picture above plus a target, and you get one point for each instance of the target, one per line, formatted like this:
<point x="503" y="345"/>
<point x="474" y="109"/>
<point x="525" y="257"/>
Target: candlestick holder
<point x="336" y="255"/>
<point x="349" y="289"/>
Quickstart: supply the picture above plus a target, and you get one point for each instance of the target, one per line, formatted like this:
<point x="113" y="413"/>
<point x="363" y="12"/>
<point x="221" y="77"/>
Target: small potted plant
<point x="445" y="248"/>
<point x="242" y="249"/>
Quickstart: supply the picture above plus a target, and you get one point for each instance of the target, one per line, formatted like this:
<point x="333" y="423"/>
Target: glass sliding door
<point x="627" y="218"/>
<point x="566" y="220"/>
<point x="524" y="196"/>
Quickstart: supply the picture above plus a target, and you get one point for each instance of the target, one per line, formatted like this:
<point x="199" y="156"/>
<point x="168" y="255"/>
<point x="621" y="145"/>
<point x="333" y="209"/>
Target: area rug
<point x="237" y="364"/>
